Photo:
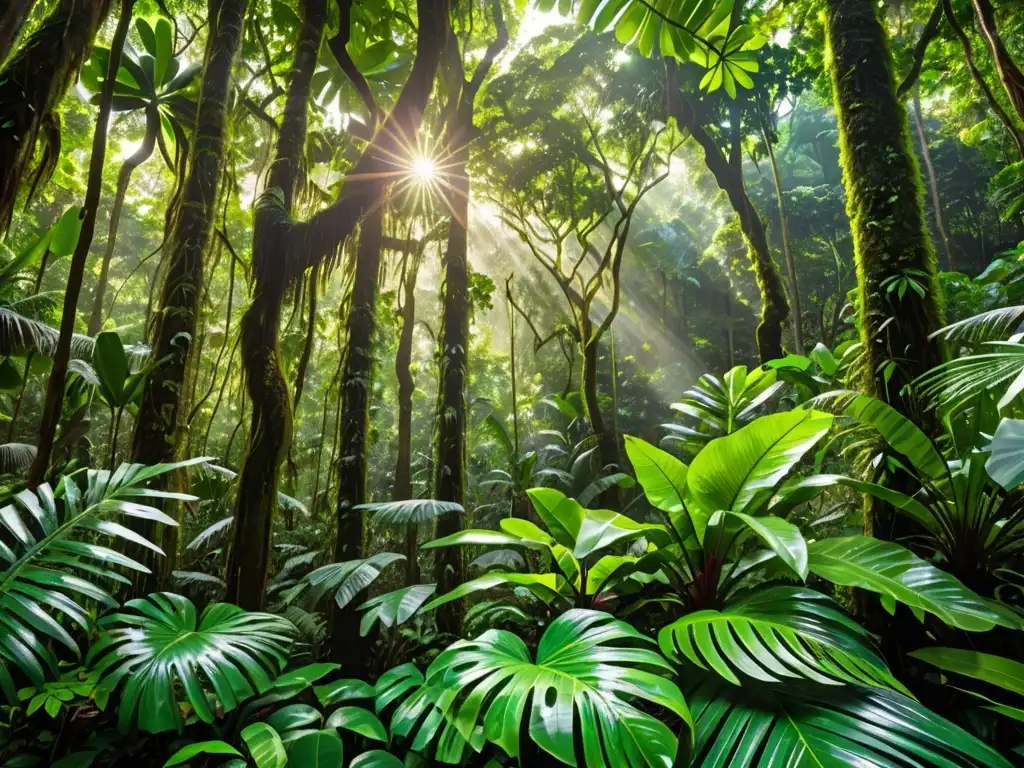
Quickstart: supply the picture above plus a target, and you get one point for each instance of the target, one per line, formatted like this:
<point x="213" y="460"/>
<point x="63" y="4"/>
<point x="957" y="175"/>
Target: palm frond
<point x="956" y="384"/>
<point x="15" y="457"/>
<point x="40" y="557"/>
<point x="994" y="325"/>
<point x="20" y="334"/>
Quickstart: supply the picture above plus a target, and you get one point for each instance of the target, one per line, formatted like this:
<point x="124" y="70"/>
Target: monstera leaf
<point x="589" y="669"/>
<point x="48" y="539"/>
<point x="779" y="634"/>
<point x="160" y="645"/>
<point x="819" y="725"/>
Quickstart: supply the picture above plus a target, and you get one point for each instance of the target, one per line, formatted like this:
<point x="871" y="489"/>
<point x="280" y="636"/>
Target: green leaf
<point x="394" y="608"/>
<point x="779" y="634"/>
<point x="377" y="758"/>
<point x="160" y="644"/>
<point x="164" y="49"/>
<point x="588" y="668"/>
<point x="111" y="366"/>
<point x="190" y="751"/>
<point x="996" y="670"/>
<point x="818" y="725"/>
<point x="1005" y="465"/>
<point x="782" y="537"/>
<point x="546" y="586"/>
<point x="293" y="717"/>
<point x="346" y="580"/>
<point x="409" y="511"/>
<point x="360" y="721"/>
<point x="741" y="471"/>
<point x="902" y="435"/>
<point x="662" y="476"/>
<point x="265" y="746"/>
<point x="583" y="531"/>
<point x="889" y="569"/>
<point x="306" y="675"/>
<point x="343" y="690"/>
<point x="320" y="749"/>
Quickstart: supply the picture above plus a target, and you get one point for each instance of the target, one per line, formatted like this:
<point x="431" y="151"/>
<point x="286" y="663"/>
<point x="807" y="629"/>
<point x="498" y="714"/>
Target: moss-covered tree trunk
<point x="12" y="19"/>
<point x="270" y="425"/>
<point x="55" y="385"/>
<point x="32" y="84"/>
<point x="885" y="204"/>
<point x="162" y="420"/>
<point x="124" y="177"/>
<point x="728" y="173"/>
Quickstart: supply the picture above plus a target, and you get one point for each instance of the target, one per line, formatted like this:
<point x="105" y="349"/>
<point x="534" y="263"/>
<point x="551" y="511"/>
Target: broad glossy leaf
<point x="589" y="666"/>
<point x="662" y="476"/>
<point x="377" y="758"/>
<point x="741" y="471"/>
<point x="343" y="690"/>
<point x="265" y="746"/>
<point x="159" y="643"/>
<point x="996" y="670"/>
<point x="1005" y="464"/>
<point x="394" y="608"/>
<point x="780" y="536"/>
<point x="896" y="572"/>
<point x="358" y="720"/>
<point x="189" y="751"/>
<point x="547" y="586"/>
<point x="320" y="749"/>
<point x="582" y="531"/>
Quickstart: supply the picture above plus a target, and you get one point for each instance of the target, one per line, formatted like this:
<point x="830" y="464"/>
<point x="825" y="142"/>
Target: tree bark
<point x="933" y="183"/>
<point x="1016" y="134"/>
<point x="450" y="463"/>
<point x="796" y="315"/>
<point x="32" y="84"/>
<point x="163" y="412"/>
<point x="124" y="177"/>
<point x="729" y="176"/>
<point x="1009" y="73"/>
<point x="12" y="19"/>
<point x="406" y="388"/>
<point x="55" y="386"/>
<point x="270" y="427"/>
<point x="885" y="205"/>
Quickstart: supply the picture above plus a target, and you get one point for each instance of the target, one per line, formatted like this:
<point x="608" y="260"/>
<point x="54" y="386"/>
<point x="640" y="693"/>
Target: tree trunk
<point x="885" y="205"/>
<point x="356" y="387"/>
<point x="933" y="183"/>
<point x="124" y="176"/>
<point x="796" y="314"/>
<point x="32" y="85"/>
<point x="450" y="465"/>
<point x="406" y="388"/>
<point x="55" y="386"/>
<point x="12" y="19"/>
<point x="1016" y="134"/>
<point x="1009" y="73"/>
<point x="163" y="412"/>
<point x="729" y="177"/>
<point x="307" y="347"/>
<point x="270" y="427"/>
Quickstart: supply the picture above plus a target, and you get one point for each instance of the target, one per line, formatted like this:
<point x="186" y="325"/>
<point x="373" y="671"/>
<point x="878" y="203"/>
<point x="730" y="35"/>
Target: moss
<point x="885" y="204"/>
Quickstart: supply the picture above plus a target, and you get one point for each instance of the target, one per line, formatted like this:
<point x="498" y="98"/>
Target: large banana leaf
<point x="741" y="471"/>
<point x="815" y="725"/>
<point x="160" y="645"/>
<point x="897" y="573"/>
<point x="661" y="475"/>
<point x="49" y="536"/>
<point x="589" y="667"/>
<point x="996" y="670"/>
<point x="779" y="634"/>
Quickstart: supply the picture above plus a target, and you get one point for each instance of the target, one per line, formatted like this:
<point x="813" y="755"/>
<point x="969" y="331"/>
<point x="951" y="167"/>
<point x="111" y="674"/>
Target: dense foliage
<point x="607" y="383"/>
